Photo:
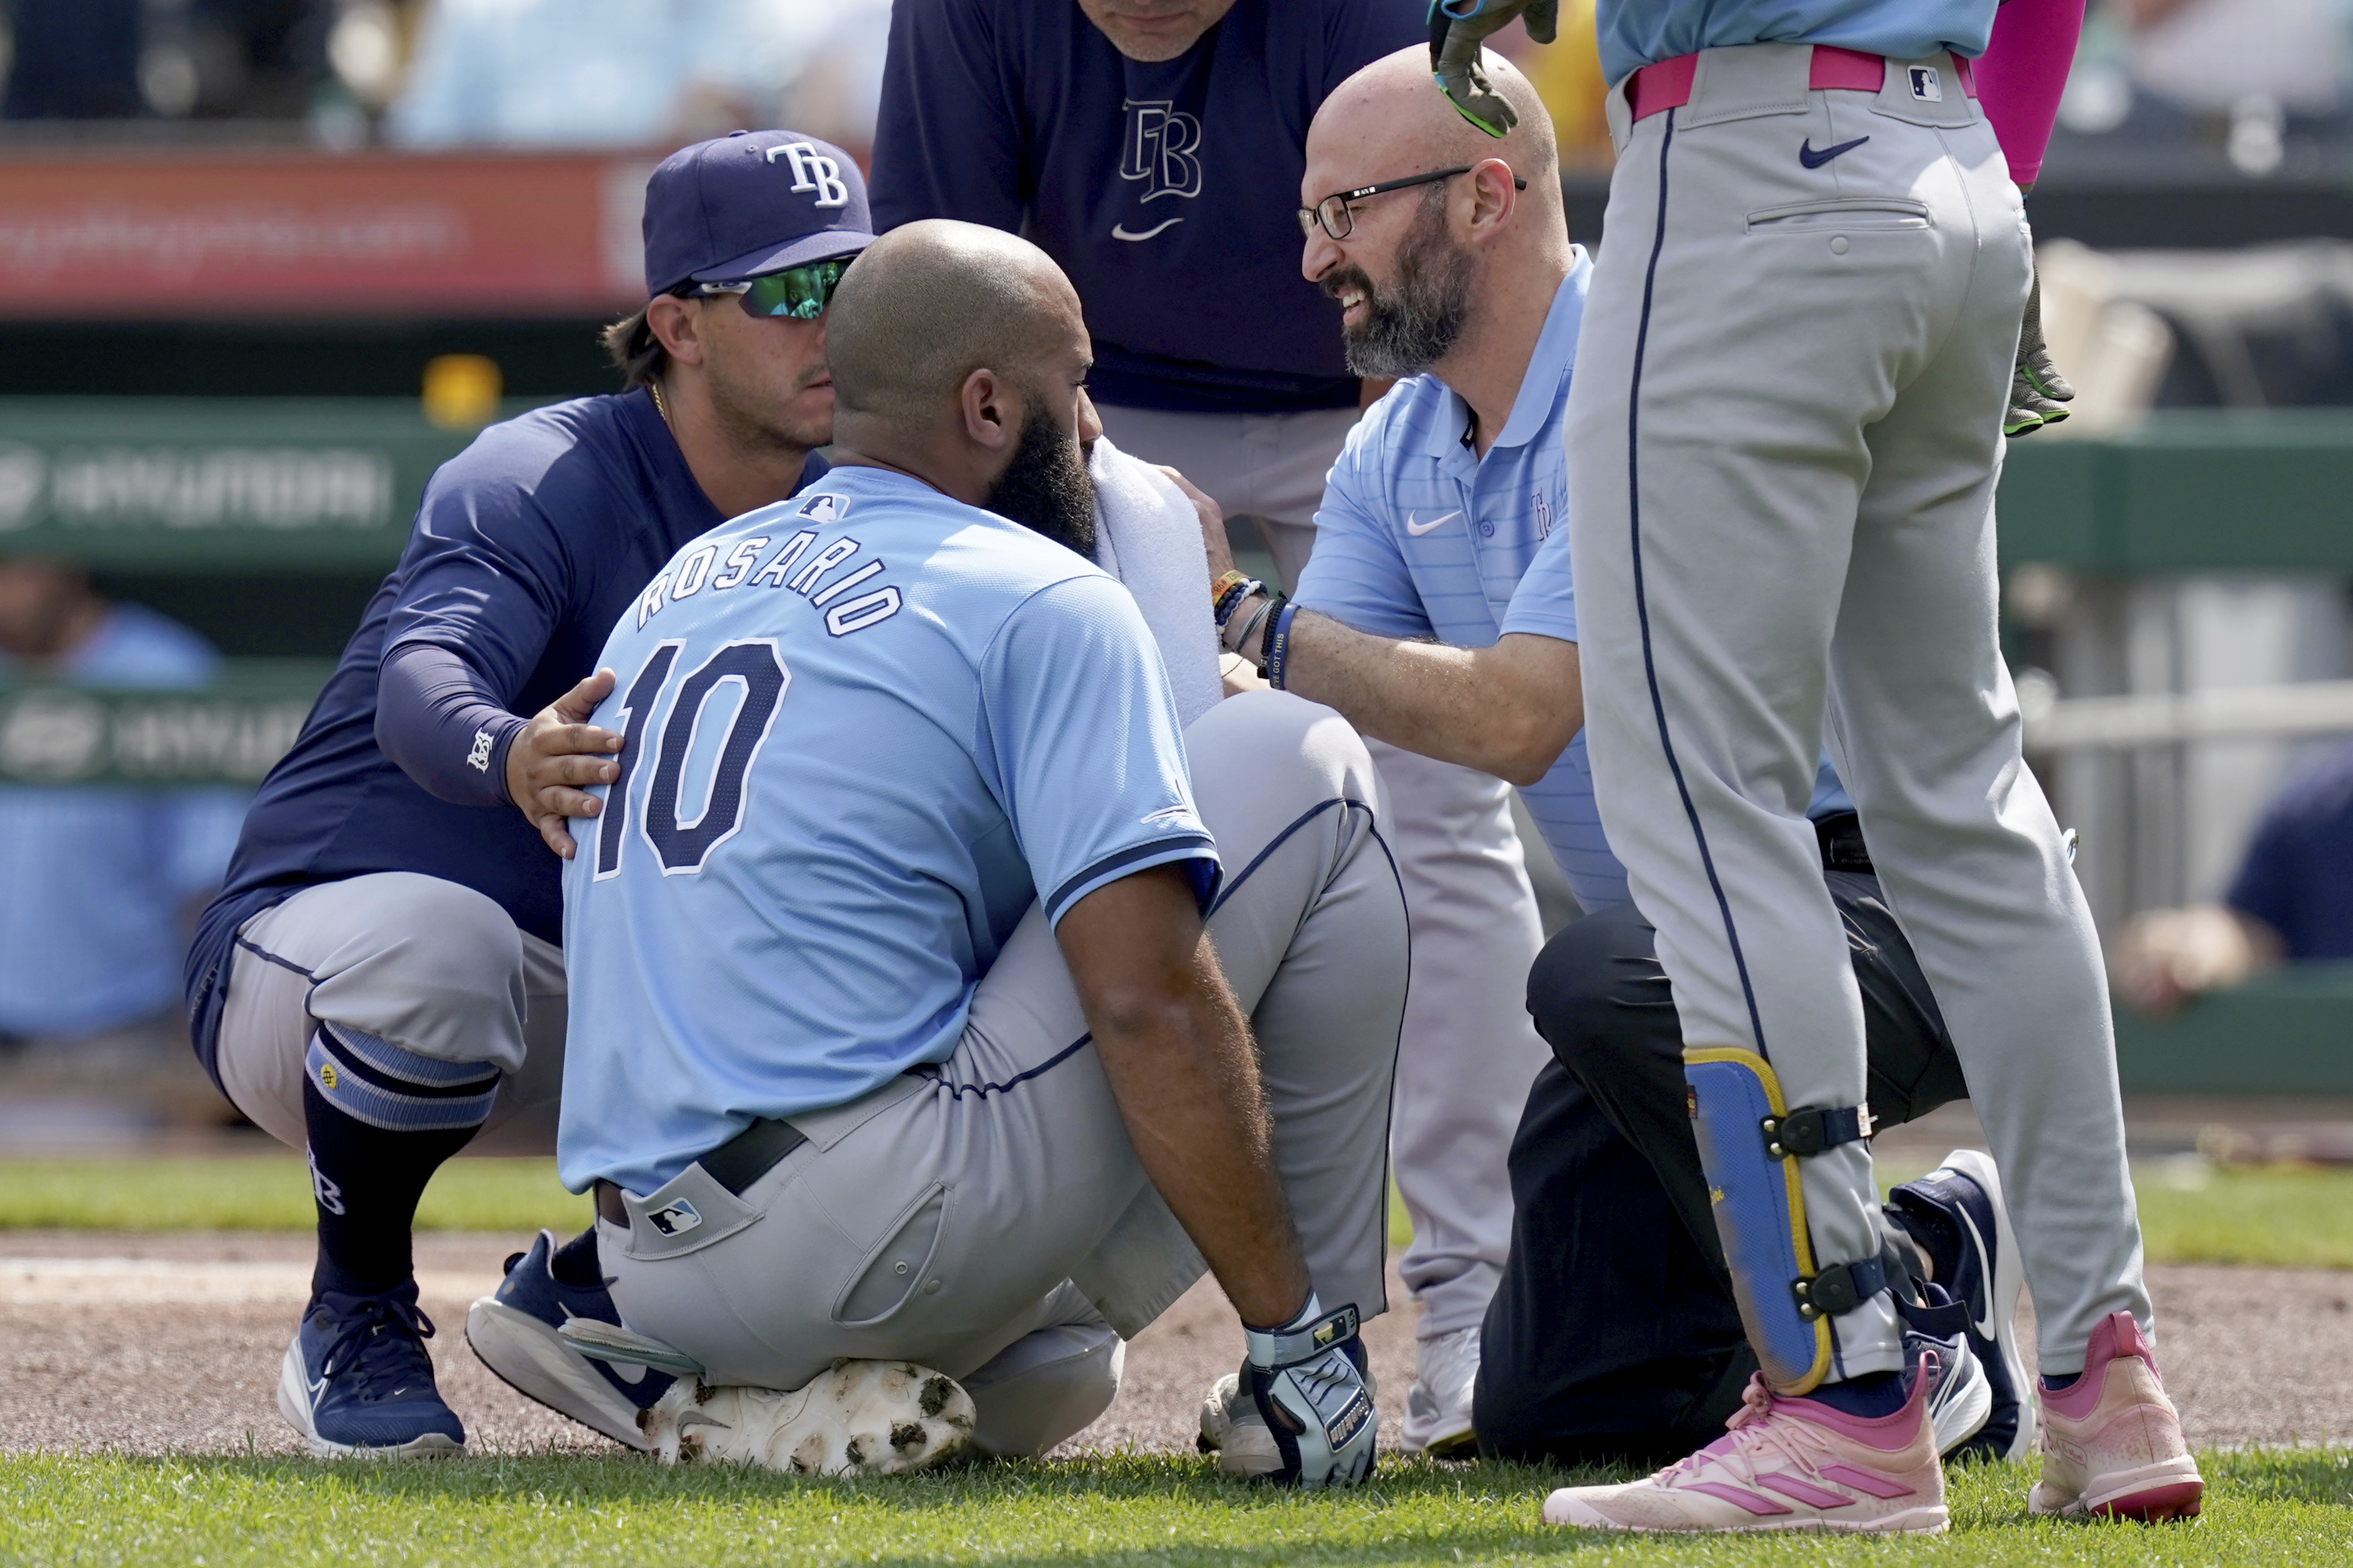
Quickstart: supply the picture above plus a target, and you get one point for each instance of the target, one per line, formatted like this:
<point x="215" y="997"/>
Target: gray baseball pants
<point x="430" y="965"/>
<point x="988" y="1217"/>
<point x="1783" y="437"/>
<point x="1469" y="1053"/>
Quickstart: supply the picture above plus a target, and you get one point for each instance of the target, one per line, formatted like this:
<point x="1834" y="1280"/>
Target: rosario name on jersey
<point x="865" y="729"/>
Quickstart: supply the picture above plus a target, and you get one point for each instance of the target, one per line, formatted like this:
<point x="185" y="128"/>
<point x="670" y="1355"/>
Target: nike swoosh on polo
<point x="1419" y="529"/>
<point x="1985" y="1325"/>
<point x="1119" y="231"/>
<point x="1813" y="160"/>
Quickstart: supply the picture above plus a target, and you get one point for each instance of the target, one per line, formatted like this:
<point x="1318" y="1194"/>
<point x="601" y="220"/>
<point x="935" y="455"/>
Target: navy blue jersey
<point x="529" y="545"/>
<point x="1169" y="192"/>
<point x="2297" y="877"/>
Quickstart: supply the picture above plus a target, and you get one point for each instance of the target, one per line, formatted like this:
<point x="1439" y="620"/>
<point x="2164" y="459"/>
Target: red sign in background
<point x="179" y="234"/>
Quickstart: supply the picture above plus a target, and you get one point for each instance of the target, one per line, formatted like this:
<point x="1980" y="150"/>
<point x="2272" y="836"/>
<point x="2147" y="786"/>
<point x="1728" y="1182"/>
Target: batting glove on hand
<point x="2037" y="390"/>
<point x="1307" y="1379"/>
<point x="1457" y="28"/>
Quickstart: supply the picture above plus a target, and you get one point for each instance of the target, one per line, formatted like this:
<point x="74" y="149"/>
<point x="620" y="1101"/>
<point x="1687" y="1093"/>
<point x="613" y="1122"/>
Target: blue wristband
<point x="1278" y="643"/>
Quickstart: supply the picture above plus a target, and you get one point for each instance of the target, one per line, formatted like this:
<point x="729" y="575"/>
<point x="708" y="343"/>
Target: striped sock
<point x="380" y="1121"/>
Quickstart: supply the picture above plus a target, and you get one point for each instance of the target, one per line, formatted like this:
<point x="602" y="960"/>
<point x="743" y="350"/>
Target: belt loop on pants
<point x="734" y="1164"/>
<point x="1655" y="88"/>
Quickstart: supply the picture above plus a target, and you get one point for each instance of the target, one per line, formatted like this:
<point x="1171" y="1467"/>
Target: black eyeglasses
<point x="800" y="292"/>
<point x="1339" y="221"/>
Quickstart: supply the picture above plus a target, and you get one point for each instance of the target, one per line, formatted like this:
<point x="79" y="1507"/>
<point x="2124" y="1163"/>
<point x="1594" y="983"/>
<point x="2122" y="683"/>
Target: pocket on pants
<point x="1847" y="214"/>
<point x="898" y="1266"/>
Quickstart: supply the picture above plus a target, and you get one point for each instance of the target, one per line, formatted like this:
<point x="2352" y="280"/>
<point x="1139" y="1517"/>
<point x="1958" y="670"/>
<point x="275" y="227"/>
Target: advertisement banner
<point x="184" y="233"/>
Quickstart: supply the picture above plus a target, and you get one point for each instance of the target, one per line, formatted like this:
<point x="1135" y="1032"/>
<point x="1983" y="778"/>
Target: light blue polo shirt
<point x="1420" y="537"/>
<point x="1637" y="32"/>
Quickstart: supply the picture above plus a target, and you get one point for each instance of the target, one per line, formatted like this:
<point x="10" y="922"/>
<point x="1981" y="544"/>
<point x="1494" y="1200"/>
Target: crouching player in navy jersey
<point x="901" y="1056"/>
<point x="380" y="982"/>
<point x="1614" y="1332"/>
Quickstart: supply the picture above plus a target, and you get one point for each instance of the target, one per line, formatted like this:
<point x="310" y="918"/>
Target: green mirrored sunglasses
<point x="800" y="292"/>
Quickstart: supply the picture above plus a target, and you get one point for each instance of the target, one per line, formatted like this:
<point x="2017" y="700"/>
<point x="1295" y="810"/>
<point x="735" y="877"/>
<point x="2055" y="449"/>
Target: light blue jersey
<point x="1637" y="32"/>
<point x="1419" y="537"/>
<point x="867" y="728"/>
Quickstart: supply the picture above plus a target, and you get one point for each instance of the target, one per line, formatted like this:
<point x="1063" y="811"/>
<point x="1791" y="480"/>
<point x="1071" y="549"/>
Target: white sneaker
<point x="1232" y="1429"/>
<point x="856" y="1418"/>
<point x="1437" y="1405"/>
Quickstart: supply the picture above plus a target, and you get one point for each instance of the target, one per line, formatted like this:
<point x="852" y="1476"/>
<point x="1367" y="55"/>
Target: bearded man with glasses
<point x="380" y="982"/>
<point x="1153" y="149"/>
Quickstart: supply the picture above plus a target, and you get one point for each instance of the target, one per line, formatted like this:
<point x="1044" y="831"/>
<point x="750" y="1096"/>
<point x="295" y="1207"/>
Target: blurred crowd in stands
<point x="2252" y="81"/>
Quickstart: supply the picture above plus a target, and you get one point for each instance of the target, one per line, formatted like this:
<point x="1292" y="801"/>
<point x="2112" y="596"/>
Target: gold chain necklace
<point x="660" y="406"/>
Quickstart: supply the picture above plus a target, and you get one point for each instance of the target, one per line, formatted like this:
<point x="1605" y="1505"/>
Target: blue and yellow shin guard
<point x="1749" y="1146"/>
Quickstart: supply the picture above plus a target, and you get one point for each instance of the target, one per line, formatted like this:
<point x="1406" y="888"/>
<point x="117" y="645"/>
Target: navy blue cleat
<point x="515" y="1333"/>
<point x="357" y="1381"/>
<point x="1960" y="1397"/>
<point x="1954" y="1214"/>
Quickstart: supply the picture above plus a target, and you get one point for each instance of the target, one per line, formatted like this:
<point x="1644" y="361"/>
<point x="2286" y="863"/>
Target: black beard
<point x="1045" y="488"/>
<point x="1412" y="327"/>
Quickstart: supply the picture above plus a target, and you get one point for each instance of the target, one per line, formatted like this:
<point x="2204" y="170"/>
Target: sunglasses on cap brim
<point x="798" y="293"/>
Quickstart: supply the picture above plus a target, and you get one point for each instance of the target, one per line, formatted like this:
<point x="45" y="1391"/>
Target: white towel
<point x="1149" y="537"/>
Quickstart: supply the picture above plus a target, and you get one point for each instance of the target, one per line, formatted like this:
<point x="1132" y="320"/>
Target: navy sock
<point x="2063" y="1379"/>
<point x="1873" y="1394"/>
<point x="380" y="1122"/>
<point x="575" y="1263"/>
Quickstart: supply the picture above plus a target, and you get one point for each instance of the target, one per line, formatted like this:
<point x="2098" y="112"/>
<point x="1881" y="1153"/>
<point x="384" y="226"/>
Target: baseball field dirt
<point x="170" y="1345"/>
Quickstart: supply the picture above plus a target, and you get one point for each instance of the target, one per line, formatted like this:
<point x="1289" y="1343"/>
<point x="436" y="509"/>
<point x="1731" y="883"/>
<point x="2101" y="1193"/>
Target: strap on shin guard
<point x="1749" y="1144"/>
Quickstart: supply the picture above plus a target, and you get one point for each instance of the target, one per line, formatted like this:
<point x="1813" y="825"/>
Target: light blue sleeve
<point x="1082" y="746"/>
<point x="1357" y="576"/>
<point x="1545" y="603"/>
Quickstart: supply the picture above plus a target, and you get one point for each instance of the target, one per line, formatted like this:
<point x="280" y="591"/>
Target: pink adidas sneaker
<point x="1785" y="1464"/>
<point x="2111" y="1441"/>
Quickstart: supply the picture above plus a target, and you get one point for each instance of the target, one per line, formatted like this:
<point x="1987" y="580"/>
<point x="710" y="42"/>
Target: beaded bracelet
<point x="1220" y="588"/>
<point x="1278" y="643"/>
<point x="1233" y="596"/>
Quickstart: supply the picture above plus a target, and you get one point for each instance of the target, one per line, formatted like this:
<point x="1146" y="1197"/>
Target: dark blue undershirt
<point x="529" y="546"/>
<point x="1022" y="115"/>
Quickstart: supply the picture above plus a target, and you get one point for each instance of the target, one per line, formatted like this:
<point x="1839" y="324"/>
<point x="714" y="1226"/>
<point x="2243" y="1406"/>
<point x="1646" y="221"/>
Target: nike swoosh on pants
<point x="1813" y="160"/>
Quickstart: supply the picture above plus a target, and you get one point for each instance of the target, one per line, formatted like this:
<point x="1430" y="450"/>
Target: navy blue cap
<point x="748" y="203"/>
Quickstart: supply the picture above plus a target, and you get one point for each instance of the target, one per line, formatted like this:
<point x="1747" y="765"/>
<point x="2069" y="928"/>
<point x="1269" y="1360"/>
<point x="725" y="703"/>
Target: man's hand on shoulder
<point x="556" y="756"/>
<point x="1220" y="548"/>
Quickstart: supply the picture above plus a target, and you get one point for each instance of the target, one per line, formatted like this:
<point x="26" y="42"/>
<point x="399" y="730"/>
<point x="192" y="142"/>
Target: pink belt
<point x="1653" y="89"/>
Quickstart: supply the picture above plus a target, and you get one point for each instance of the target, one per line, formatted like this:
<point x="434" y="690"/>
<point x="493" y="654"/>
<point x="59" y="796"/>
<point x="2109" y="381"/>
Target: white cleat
<point x="1233" y="1428"/>
<point x="1437" y="1405"/>
<point x="855" y="1418"/>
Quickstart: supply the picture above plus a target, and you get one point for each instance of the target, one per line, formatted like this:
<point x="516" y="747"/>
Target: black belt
<point x="1840" y="835"/>
<point x="734" y="1164"/>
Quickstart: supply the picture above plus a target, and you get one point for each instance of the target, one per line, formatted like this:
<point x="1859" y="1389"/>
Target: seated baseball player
<point x="935" y="1023"/>
<point x="1618" y="1329"/>
<point x="1468" y="287"/>
<point x="381" y="983"/>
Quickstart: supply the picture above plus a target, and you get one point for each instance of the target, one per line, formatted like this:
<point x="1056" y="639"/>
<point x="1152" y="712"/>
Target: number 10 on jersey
<point x="755" y="669"/>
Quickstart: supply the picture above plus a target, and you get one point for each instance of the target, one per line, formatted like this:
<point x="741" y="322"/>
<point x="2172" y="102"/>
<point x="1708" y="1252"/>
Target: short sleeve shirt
<point x="868" y="728"/>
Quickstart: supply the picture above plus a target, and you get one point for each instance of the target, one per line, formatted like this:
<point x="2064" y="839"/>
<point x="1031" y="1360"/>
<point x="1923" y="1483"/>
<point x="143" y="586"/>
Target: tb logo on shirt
<point x="1156" y="146"/>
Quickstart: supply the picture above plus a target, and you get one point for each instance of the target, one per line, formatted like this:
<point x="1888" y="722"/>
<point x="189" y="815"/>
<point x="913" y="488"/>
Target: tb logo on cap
<point x="813" y="171"/>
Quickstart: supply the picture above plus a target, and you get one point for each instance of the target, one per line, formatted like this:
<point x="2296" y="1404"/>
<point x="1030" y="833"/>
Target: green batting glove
<point x="2037" y="393"/>
<point x="1457" y="28"/>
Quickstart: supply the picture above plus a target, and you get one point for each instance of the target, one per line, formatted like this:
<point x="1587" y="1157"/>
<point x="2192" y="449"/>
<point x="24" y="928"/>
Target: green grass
<point x="2287" y="1219"/>
<point x="266" y="1191"/>
<point x="2284" y="1507"/>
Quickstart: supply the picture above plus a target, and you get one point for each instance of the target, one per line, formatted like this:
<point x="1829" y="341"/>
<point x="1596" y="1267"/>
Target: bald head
<point x="1393" y="117"/>
<point x="928" y="304"/>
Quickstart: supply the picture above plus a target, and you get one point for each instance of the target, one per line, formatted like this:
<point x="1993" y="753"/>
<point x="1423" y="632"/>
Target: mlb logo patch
<point x="1925" y="87"/>
<point x="672" y="1219"/>
<point x="824" y="509"/>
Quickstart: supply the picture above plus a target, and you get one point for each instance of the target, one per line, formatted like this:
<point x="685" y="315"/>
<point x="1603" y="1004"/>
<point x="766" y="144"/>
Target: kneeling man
<point x="898" y="1033"/>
